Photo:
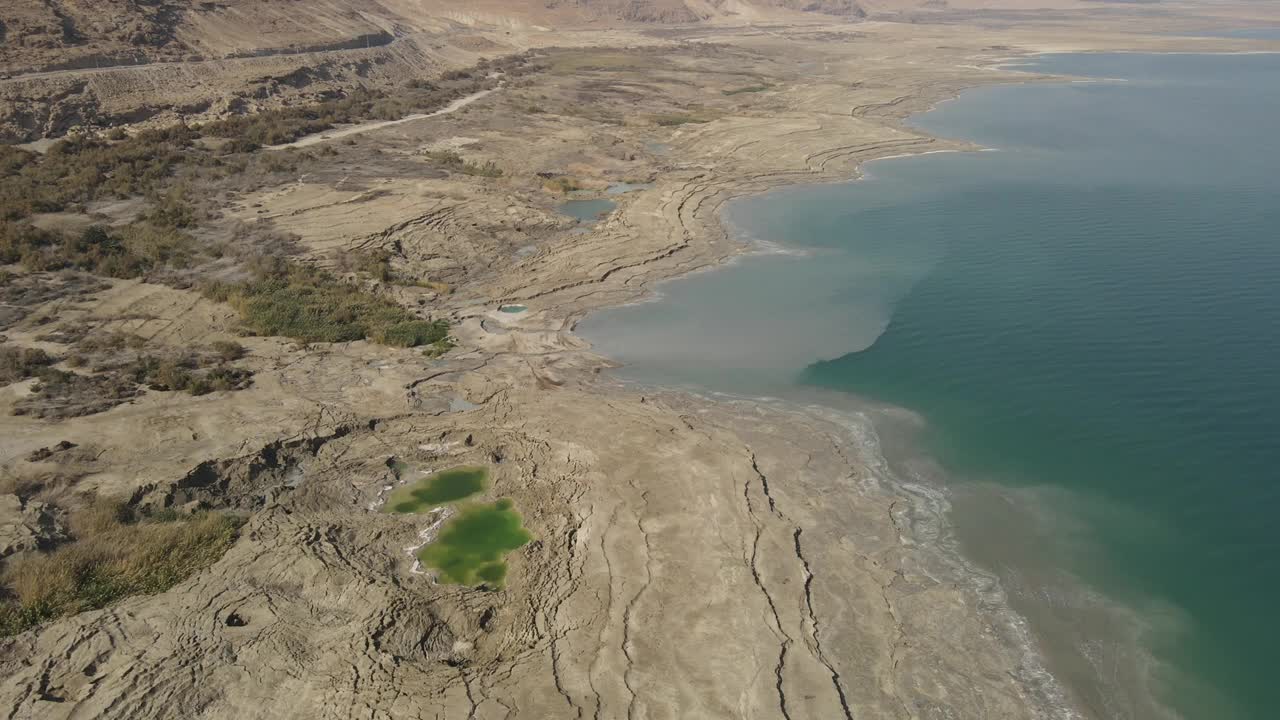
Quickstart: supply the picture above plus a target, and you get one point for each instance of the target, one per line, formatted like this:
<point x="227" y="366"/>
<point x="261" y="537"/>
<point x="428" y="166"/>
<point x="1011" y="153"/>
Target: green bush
<point x="314" y="306"/>
<point x="412" y="333"/>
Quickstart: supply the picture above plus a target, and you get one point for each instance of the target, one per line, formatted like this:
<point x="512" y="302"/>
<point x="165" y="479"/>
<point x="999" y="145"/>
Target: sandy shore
<point x="694" y="557"/>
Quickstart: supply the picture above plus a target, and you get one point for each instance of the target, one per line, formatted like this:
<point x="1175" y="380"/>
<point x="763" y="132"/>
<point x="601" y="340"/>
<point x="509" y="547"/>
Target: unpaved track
<point x="362" y="128"/>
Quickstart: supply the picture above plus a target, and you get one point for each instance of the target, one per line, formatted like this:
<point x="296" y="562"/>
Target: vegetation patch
<point x="676" y="119"/>
<point x="19" y="363"/>
<point x="439" y="488"/>
<point x="452" y="161"/>
<point x="562" y="184"/>
<point x="377" y="265"/>
<point x="21" y="293"/>
<point x="748" y="89"/>
<point x="59" y="394"/>
<point x="81" y="169"/>
<point x="127" y="252"/>
<point x="312" y="305"/>
<point x="113" y="555"/>
<point x="472" y="546"/>
<point x="152" y="164"/>
<point x="115" y="369"/>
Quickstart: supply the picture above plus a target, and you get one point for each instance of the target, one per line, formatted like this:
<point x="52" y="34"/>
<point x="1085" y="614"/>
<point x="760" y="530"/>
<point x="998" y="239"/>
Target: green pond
<point x="437" y="489"/>
<point x="471" y="547"/>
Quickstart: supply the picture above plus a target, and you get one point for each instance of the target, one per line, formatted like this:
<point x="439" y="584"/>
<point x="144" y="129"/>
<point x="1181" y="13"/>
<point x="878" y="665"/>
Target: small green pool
<point x="471" y="547"/>
<point x="437" y="489"/>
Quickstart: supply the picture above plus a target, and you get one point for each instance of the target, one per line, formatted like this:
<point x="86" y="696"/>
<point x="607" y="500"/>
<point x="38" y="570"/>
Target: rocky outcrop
<point x="842" y="8"/>
<point x="31" y="110"/>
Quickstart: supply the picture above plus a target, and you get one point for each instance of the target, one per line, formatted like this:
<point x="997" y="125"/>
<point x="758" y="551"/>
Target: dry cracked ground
<point x="690" y="558"/>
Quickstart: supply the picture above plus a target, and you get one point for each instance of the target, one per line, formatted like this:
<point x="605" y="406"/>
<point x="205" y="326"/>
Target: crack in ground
<point x="818" y="652"/>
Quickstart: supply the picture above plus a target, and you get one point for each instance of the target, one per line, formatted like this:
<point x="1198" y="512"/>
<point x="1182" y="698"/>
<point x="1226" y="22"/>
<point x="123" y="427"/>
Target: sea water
<point x="1086" y="323"/>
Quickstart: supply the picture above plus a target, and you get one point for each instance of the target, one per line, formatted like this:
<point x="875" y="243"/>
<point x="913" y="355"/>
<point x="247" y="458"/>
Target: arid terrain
<point x="246" y="293"/>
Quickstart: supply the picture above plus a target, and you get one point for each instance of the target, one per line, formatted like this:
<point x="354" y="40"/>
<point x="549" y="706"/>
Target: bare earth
<point x="693" y="558"/>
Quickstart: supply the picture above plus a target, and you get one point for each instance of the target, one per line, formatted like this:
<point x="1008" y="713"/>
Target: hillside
<point x="62" y="34"/>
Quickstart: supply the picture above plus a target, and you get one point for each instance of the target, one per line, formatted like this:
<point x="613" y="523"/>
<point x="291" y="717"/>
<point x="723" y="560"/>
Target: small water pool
<point x="437" y="489"/>
<point x="588" y="211"/>
<point x="512" y="309"/>
<point x="472" y="547"/>
<point x="626" y="187"/>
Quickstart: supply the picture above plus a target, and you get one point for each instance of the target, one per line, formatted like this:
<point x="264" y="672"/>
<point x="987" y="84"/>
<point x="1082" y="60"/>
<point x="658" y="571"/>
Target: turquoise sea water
<point x="1087" y="324"/>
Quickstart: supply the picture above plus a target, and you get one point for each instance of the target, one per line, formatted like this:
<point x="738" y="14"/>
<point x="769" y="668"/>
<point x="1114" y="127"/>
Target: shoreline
<point x="1145" y="667"/>
<point x="926" y="524"/>
<point x="931" y="502"/>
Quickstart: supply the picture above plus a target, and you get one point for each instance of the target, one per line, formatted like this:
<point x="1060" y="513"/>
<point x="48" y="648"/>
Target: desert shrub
<point x="168" y="374"/>
<point x="562" y="184"/>
<point x="227" y="350"/>
<point x="438" y="348"/>
<point x="172" y="210"/>
<point x="19" y="363"/>
<point x="192" y="373"/>
<point x="219" y="379"/>
<point x="59" y="394"/>
<point x="452" y="161"/>
<point x="118" y="372"/>
<point x="113" y="556"/>
<point x="314" y="306"/>
<point x="377" y="264"/>
<point x="411" y="333"/>
<point x="126" y="252"/>
<point x="90" y="342"/>
<point x="78" y="170"/>
<point x="156" y="245"/>
<point x="18" y="240"/>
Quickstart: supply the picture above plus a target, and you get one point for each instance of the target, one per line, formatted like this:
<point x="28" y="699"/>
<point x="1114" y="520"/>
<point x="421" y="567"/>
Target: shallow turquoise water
<point x="1088" y="322"/>
<point x="588" y="211"/>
